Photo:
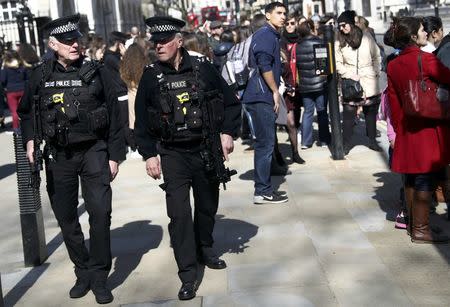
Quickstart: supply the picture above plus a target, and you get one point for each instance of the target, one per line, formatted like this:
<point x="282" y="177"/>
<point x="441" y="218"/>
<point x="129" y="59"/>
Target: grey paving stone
<point x="304" y="272"/>
<point x="341" y="234"/>
<point x="371" y="294"/>
<point x="369" y="219"/>
<point x="319" y="296"/>
<point x="309" y="184"/>
<point x="196" y="302"/>
<point x="260" y="250"/>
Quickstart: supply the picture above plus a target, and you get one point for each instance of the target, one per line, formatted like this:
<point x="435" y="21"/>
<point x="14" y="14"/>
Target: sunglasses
<point x="163" y="41"/>
<point x="291" y="23"/>
<point x="68" y="42"/>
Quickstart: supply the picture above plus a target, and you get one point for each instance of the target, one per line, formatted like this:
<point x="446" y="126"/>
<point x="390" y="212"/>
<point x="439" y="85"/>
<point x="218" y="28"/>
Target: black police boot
<point x="81" y="288"/>
<point x="102" y="294"/>
<point x="187" y="291"/>
<point x="208" y="257"/>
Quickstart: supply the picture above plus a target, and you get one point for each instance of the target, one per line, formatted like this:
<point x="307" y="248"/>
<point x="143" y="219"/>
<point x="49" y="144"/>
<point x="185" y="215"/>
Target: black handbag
<point x="351" y="89"/>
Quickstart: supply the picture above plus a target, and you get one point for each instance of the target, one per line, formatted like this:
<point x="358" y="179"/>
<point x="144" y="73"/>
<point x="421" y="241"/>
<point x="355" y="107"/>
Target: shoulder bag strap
<point x="357" y="60"/>
<point x="422" y="81"/>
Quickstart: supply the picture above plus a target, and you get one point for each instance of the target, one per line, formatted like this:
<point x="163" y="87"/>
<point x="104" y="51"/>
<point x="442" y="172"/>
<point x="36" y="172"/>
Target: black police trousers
<point x="89" y="162"/>
<point x="189" y="237"/>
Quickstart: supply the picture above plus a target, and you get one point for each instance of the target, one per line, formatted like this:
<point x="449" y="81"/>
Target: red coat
<point x="421" y="146"/>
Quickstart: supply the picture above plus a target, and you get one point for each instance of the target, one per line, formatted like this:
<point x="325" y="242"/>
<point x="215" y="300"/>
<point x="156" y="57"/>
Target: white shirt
<point x="428" y="48"/>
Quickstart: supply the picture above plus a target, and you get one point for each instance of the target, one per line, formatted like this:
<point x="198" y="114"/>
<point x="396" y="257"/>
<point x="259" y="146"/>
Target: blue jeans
<point x="317" y="100"/>
<point x="263" y="118"/>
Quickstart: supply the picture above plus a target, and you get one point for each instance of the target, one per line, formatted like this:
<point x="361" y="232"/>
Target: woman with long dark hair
<point x="358" y="58"/>
<point x="422" y="146"/>
<point x="131" y="68"/>
<point x="288" y="43"/>
<point x="432" y="25"/>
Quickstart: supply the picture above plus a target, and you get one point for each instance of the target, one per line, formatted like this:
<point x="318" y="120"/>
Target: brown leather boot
<point x="409" y="199"/>
<point x="421" y="232"/>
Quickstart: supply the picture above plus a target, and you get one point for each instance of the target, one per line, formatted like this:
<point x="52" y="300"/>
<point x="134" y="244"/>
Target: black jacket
<point x="112" y="64"/>
<point x="148" y="95"/>
<point x="308" y="81"/>
<point x="115" y="138"/>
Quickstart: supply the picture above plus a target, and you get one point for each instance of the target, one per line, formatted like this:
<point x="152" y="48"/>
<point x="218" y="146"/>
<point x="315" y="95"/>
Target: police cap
<point x="163" y="27"/>
<point x="116" y="36"/>
<point x="64" y="28"/>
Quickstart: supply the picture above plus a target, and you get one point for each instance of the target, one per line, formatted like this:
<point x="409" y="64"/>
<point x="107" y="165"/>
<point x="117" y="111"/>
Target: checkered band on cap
<point x="163" y="28"/>
<point x="64" y="28"/>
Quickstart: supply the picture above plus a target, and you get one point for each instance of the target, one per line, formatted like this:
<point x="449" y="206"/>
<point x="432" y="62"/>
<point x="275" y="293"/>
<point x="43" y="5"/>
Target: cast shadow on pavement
<point x="388" y="195"/>
<point x="230" y="236"/>
<point x="19" y="290"/>
<point x="129" y="244"/>
<point x="276" y="180"/>
<point x="7" y="170"/>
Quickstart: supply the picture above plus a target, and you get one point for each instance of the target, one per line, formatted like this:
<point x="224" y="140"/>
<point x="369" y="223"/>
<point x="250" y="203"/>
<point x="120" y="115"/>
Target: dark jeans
<point x="181" y="171"/>
<point x="90" y="163"/>
<point x="263" y="118"/>
<point x="370" y="115"/>
<point x="426" y="182"/>
<point x="315" y="100"/>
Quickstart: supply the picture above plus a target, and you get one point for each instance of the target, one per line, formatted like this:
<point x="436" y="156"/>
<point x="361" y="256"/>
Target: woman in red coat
<point x="422" y="146"/>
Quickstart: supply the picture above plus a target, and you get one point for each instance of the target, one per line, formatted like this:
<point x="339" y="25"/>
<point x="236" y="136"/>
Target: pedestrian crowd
<point x="163" y="95"/>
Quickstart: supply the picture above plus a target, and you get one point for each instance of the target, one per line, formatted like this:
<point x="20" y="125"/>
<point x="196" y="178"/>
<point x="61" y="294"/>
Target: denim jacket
<point x="264" y="56"/>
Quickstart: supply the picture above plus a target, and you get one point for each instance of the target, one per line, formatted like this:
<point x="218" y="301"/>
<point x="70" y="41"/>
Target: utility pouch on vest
<point x="62" y="134"/>
<point x="98" y="119"/>
<point x="70" y="106"/>
<point x="87" y="71"/>
<point x="159" y="124"/>
<point x="194" y="118"/>
<point x="216" y="106"/>
<point x="48" y="122"/>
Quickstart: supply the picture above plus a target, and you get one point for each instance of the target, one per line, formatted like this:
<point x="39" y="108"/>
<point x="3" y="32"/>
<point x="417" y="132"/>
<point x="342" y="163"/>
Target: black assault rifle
<point x="37" y="166"/>
<point x="213" y="154"/>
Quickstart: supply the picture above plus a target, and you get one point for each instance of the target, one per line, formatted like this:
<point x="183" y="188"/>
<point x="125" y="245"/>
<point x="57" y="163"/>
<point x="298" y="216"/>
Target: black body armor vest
<point x="72" y="112"/>
<point x="181" y="100"/>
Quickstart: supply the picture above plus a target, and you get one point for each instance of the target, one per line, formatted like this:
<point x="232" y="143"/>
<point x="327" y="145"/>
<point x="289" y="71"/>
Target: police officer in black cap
<point x="180" y="99"/>
<point x="74" y="102"/>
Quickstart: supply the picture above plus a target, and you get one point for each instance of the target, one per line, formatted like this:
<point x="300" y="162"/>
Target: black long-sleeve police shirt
<point x="115" y="138"/>
<point x="148" y="95"/>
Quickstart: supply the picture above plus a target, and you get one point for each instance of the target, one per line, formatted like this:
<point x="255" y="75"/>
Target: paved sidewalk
<point x="332" y="244"/>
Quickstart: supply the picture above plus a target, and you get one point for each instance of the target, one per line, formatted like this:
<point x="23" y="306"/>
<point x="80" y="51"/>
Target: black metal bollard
<point x="2" y="303"/>
<point x="337" y="147"/>
<point x="31" y="219"/>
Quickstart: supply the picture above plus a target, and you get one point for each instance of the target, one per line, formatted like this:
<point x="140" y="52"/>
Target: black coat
<point x="148" y="95"/>
<point x="308" y="81"/>
<point x="112" y="64"/>
<point x="105" y="89"/>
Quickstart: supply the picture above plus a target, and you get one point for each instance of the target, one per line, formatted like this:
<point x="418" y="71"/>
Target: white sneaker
<point x="272" y="199"/>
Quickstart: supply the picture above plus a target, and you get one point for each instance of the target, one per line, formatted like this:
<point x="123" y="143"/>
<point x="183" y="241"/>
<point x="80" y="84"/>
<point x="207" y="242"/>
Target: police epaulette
<point x="201" y="59"/>
<point x="36" y="65"/>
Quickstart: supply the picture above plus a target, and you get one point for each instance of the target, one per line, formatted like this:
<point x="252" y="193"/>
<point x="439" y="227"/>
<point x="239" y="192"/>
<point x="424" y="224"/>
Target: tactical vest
<point x="71" y="110"/>
<point x="181" y="101"/>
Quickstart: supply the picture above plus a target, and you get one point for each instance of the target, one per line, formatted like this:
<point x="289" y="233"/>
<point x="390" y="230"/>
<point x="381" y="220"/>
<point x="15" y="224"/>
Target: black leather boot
<point x="187" y="291"/>
<point x="102" y="294"/>
<point x="80" y="289"/>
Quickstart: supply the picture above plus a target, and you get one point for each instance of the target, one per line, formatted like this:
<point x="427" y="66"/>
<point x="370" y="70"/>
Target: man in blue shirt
<point x="262" y="98"/>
